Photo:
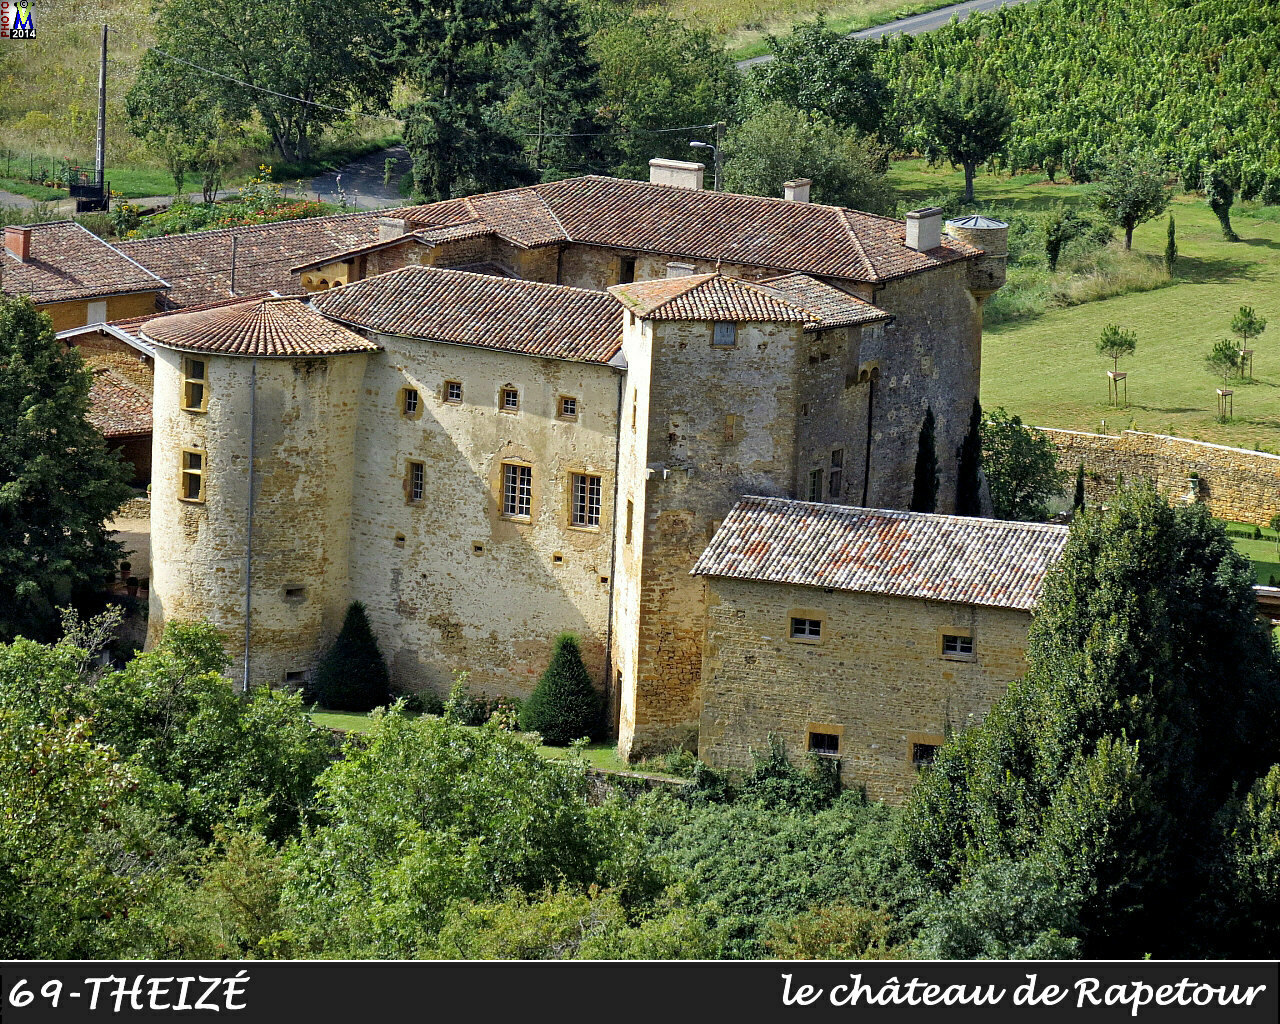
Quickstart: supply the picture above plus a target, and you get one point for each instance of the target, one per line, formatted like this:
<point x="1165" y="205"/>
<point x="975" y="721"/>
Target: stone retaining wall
<point x="1235" y="483"/>
<point x="135" y="508"/>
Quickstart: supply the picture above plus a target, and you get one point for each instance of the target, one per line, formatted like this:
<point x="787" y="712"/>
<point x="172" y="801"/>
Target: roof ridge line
<point x="857" y="244"/>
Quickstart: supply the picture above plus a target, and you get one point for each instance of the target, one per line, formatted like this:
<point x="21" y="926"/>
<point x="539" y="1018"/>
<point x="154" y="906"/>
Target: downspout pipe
<point x="248" y="548"/>
<point x="613" y="551"/>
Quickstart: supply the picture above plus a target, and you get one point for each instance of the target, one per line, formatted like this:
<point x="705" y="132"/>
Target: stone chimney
<point x="680" y="173"/>
<point x="18" y="241"/>
<point x="797" y="191"/>
<point x="679" y="269"/>
<point x="924" y="228"/>
<point x="391" y="227"/>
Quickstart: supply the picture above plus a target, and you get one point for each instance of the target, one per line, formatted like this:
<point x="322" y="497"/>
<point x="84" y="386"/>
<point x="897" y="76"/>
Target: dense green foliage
<point x="969" y="469"/>
<point x="1193" y="79"/>
<point x="1092" y="791"/>
<point x="1131" y="190"/>
<point x="58" y="482"/>
<point x="966" y="120"/>
<point x="924" y="491"/>
<point x="1021" y="466"/>
<point x="564" y="706"/>
<point x="353" y="674"/>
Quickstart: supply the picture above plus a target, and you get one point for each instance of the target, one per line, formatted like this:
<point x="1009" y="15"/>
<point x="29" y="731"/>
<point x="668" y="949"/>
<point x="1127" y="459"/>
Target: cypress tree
<point x="924" y="495"/>
<point x="969" y="485"/>
<point x="1078" y="503"/>
<point x="564" y="705"/>
<point x="1171" y="250"/>
<point x="353" y="675"/>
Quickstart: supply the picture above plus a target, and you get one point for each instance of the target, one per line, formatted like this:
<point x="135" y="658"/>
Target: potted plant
<point x="131" y="584"/>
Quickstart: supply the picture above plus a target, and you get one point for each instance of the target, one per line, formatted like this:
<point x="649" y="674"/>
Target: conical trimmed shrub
<point x="353" y="675"/>
<point x="564" y="705"/>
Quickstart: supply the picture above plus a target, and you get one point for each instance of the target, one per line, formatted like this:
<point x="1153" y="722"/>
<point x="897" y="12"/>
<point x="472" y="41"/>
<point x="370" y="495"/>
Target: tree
<point x="353" y="675"/>
<point x="307" y="49"/>
<point x="1115" y="342"/>
<point x="1275" y="528"/>
<point x="557" y="94"/>
<point x="1223" y="360"/>
<point x="1131" y="191"/>
<point x="460" y="140"/>
<point x="59" y="485"/>
<point x="1077" y="501"/>
<point x="1171" y="250"/>
<point x="967" y="120"/>
<point x="1062" y="227"/>
<point x="924" y="493"/>
<point x="564" y="706"/>
<point x="778" y="143"/>
<point x="823" y="74"/>
<point x="968" y="476"/>
<point x="1220" y="192"/>
<point x="1110" y="761"/>
<point x="1246" y="324"/>
<point x="1021" y="467"/>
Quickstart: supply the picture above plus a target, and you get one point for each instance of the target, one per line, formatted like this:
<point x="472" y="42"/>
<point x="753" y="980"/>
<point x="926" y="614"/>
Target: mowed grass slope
<point x="1046" y="368"/>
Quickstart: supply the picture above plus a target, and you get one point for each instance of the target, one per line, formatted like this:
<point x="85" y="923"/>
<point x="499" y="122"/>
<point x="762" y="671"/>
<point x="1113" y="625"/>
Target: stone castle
<point x="497" y="418"/>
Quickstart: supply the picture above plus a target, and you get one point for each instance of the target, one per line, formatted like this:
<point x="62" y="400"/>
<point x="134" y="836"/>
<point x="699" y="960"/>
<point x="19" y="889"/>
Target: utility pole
<point x="101" y="163"/>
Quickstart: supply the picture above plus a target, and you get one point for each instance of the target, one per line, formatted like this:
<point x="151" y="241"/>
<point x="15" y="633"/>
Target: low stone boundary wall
<point x="1235" y="483"/>
<point x="135" y="508"/>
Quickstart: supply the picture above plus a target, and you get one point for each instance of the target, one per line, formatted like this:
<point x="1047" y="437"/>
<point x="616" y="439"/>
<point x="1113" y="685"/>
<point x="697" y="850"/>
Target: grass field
<point x="1264" y="554"/>
<point x="1046" y="369"/>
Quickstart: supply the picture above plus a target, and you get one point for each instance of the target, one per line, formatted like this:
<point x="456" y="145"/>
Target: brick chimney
<point x="679" y="269"/>
<point x="391" y="227"/>
<point x="680" y="173"/>
<point x="924" y="228"/>
<point x="797" y="191"/>
<point x="18" y="241"/>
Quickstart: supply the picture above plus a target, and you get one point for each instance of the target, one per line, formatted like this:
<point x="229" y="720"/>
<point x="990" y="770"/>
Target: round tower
<point x="987" y="273"/>
<point x="273" y="384"/>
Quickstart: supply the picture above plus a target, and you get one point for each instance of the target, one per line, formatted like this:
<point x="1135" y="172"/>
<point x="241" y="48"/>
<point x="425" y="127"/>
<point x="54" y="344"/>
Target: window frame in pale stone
<point x="586" y="478"/>
<point x="835" y="477"/>
<point x="186" y="472"/>
<point x="956" y="633"/>
<point x="446" y="393"/>
<point x="563" y="409"/>
<point x="823" y="729"/>
<point x="410" y="403"/>
<point x="923" y="739"/>
<point x="806" y="615"/>
<point x="503" y="404"/>
<point x="525" y="486"/>
<point x="188" y="379"/>
<point x="409" y="466"/>
<point x="815" y="484"/>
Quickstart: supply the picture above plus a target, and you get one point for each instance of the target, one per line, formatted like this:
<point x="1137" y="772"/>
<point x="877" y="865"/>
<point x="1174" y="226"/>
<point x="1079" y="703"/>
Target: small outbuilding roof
<point x="831" y="306"/>
<point x="118" y="407"/>
<point x="707" y="297"/>
<point x="66" y="261"/>
<point x="957" y="559"/>
<point x="271" y="327"/>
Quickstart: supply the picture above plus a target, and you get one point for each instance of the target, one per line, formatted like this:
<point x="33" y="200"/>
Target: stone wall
<point x="1234" y="483"/>
<point x="876" y="677"/>
<point x="66" y="315"/>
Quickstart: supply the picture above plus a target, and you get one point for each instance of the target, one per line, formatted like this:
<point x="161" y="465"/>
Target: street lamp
<point x="715" y="157"/>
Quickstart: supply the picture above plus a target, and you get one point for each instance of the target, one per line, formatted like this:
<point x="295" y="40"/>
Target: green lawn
<point x="1046" y="368"/>
<point x="1264" y="554"/>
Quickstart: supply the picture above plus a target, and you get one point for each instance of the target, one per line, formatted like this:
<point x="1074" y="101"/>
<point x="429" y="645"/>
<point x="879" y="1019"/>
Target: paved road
<point x="362" y="181"/>
<point x="912" y="26"/>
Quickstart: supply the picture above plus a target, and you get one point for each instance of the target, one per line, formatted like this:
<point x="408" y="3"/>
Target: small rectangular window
<point x="631" y="509"/>
<point x="626" y="271"/>
<point x="568" y="407"/>
<point x="453" y="392"/>
<point x="586" y="500"/>
<point x="635" y="401"/>
<point x="97" y="313"/>
<point x="923" y="753"/>
<point x="194" y="382"/>
<point x="806" y="629"/>
<point x="510" y="400"/>
<point x="415" y="485"/>
<point x="836" y="478"/>
<point x="410" y="405"/>
<point x="804" y="409"/>
<point x="192" y="475"/>
<point x="732" y="426"/>
<point x="824" y="742"/>
<point x="957" y="646"/>
<point x="815" y="485"/>
<point x="295" y="678"/>
<point x="517" y="490"/>
<point x="295" y="593"/>
<point x="724" y="334"/>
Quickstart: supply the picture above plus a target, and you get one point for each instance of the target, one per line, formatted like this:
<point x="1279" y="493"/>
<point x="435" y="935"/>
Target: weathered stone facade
<point x="877" y="677"/>
<point x="80" y="312"/>
<point x="1234" y="483"/>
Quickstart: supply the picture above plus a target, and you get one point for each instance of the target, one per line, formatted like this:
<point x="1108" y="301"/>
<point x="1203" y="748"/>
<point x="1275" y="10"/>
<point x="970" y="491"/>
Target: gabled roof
<point x="707" y="297"/>
<point x="118" y="407"/>
<point x="957" y="559"/>
<point x="198" y="265"/>
<point x="67" y="261"/>
<point x="476" y="309"/>
<point x="833" y="307"/>
<point x="273" y="327"/>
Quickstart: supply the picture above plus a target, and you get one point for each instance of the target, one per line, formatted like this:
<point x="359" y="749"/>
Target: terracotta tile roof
<point x="198" y="265"/>
<point x="834" y="308"/>
<point x="118" y="407"/>
<point x="810" y="238"/>
<point x="907" y="554"/>
<point x="270" y="327"/>
<point x="477" y="309"/>
<point x="707" y="297"/>
<point x="67" y="261"/>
